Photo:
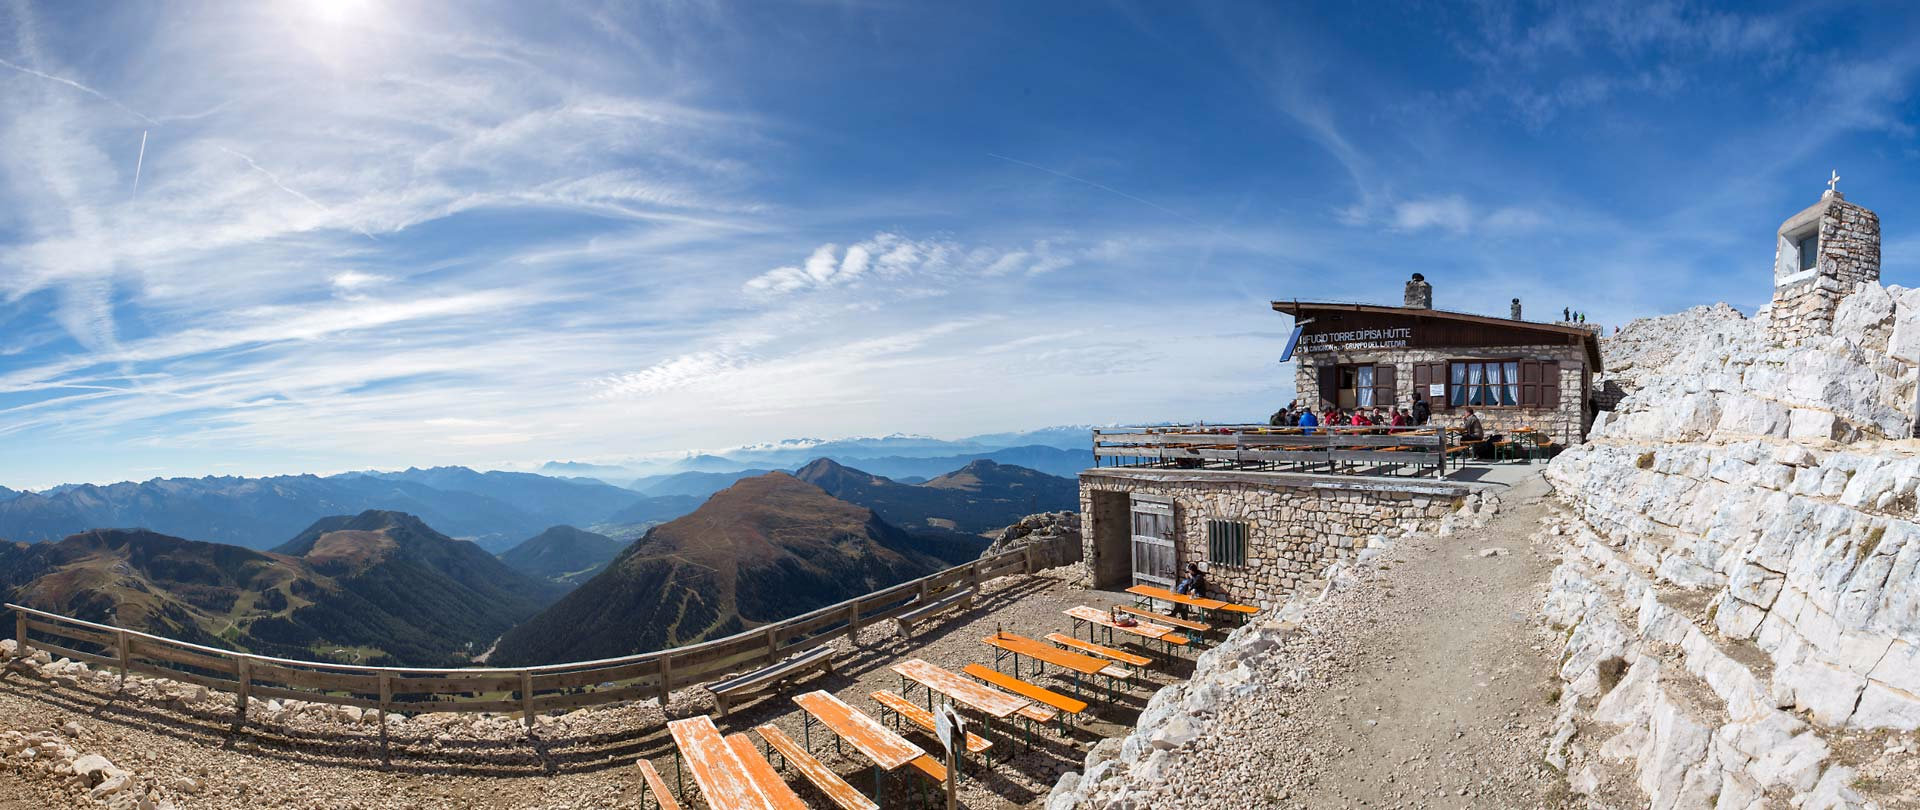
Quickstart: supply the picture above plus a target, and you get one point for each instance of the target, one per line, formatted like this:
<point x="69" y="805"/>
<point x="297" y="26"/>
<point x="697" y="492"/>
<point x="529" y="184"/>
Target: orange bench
<point x="651" y="783"/>
<point x="1062" y="705"/>
<point x="1122" y="656"/>
<point x="819" y="774"/>
<point x="893" y="702"/>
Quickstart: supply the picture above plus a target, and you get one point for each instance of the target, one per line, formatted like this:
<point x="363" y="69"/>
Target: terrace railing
<point x="529" y="690"/>
<point x="1339" y="449"/>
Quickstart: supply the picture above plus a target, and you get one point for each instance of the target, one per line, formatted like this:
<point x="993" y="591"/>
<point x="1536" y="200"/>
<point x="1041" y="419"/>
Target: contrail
<point x="283" y="187"/>
<point x="1109" y="189"/>
<point x="139" y="161"/>
<point x="82" y="88"/>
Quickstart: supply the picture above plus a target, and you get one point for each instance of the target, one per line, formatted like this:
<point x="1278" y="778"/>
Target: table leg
<point x="679" y="782"/>
<point x="806" y="730"/>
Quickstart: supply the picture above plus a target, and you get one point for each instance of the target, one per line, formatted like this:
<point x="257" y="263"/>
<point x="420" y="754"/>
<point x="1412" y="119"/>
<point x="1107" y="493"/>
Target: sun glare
<point x="337" y="11"/>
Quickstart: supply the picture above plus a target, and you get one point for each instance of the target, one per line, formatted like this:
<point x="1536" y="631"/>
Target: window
<point x="1227" y="542"/>
<point x="1809" y="246"/>
<point x="1503" y="384"/>
<point x="1357" y="386"/>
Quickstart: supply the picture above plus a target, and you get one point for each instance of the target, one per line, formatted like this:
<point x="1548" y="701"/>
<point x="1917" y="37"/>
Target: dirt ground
<point x="1443" y="697"/>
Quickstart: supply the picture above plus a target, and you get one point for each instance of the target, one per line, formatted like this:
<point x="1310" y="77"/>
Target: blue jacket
<point x="1308" y="420"/>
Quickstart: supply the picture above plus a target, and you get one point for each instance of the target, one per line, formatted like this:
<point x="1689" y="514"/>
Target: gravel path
<point x="1425" y="681"/>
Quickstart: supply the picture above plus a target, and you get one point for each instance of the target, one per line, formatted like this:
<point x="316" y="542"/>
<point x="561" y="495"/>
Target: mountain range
<point x="494" y="509"/>
<point x="378" y="587"/>
<point x="764" y="549"/>
<point x="1062" y="451"/>
<point x="563" y="554"/>
<point x="979" y="497"/>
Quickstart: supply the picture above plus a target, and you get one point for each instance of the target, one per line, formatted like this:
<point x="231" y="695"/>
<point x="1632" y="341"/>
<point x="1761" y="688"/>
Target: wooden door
<point x="1154" y="562"/>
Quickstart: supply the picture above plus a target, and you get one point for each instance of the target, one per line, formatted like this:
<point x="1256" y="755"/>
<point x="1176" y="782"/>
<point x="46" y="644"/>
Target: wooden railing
<point x="530" y="690"/>
<point x="1332" y="449"/>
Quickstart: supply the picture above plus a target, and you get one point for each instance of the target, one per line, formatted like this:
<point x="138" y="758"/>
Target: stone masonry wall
<point x="1298" y="524"/>
<point x="1566" y="424"/>
<point x="1804" y="303"/>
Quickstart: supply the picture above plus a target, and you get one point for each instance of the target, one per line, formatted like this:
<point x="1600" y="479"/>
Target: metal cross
<point x="1834" y="181"/>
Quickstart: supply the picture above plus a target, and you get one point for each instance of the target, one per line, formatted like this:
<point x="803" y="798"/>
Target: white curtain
<point x="1513" y="384"/>
<point x="1364" y="385"/>
<point x="1477" y="380"/>
<point x="1459" y="384"/>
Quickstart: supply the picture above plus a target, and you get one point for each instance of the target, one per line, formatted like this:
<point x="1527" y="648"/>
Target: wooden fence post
<point x="386" y="699"/>
<point x="20" y="634"/>
<point x="526" y="696"/>
<point x="1027" y="568"/>
<point x="853" y="623"/>
<point x="666" y="682"/>
<point x="243" y="670"/>
<point x="773" y="642"/>
<point x="122" y="648"/>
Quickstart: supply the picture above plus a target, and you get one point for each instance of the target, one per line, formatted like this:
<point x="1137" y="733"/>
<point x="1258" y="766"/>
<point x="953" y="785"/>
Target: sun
<point x="337" y="11"/>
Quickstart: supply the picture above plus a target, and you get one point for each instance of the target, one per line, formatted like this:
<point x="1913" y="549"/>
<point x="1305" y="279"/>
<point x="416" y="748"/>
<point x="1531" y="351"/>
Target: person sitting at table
<point x="1194" y="584"/>
<point x="1473" y="433"/>
<point x="1399" y="417"/>
<point x="1306" y="421"/>
<point x="1359" y="418"/>
<point x="1421" y="410"/>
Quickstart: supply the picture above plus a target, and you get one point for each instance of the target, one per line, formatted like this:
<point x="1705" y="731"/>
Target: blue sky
<point x="393" y="232"/>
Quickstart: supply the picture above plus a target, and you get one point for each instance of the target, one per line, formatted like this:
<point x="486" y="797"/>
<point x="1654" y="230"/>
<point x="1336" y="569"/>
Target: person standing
<point x="1421" y="411"/>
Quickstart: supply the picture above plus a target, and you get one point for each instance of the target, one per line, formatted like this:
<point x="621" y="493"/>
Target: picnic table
<point x="1043" y="654"/>
<point x="1151" y="592"/>
<point x="1146" y="631"/>
<point x="983" y="699"/>
<point x="726" y="780"/>
<point x="887" y="750"/>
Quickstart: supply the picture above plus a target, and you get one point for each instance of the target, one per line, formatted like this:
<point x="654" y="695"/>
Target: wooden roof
<point x="1559" y="334"/>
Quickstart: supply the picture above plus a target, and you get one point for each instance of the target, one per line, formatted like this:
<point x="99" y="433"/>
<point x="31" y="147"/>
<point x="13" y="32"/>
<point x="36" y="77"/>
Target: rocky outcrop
<point x="1040" y="528"/>
<point x="1649" y="344"/>
<point x="1741" y="584"/>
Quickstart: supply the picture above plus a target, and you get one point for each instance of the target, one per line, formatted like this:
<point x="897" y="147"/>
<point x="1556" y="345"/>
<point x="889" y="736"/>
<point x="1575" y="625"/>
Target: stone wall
<point x="1298" y="524"/>
<point x="1566" y="424"/>
<point x="1804" y="302"/>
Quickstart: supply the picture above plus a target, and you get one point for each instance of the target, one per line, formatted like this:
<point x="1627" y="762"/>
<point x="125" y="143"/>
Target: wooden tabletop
<point x="865" y="734"/>
<point x="1163" y="594"/>
<point x="774" y="789"/>
<point x="1100" y="617"/>
<point x="971" y="694"/>
<point x="723" y="779"/>
<point x="1021" y="645"/>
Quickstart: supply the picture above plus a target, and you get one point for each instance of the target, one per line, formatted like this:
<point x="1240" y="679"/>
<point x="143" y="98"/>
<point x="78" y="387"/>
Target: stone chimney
<point x="1419" y="292"/>
<point x="1820" y="255"/>
<point x="1514" y="313"/>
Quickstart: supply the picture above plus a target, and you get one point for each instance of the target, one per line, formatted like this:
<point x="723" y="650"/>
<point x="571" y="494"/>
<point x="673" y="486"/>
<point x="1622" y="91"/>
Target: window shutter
<point x="1529" y="383"/>
<point x="1385" y="387"/>
<point x="1329" y="387"/>
<point x="1437" y="374"/>
<point x="1549" y="383"/>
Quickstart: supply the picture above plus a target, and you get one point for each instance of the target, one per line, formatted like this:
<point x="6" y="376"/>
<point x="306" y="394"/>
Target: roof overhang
<point x="1587" y="337"/>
